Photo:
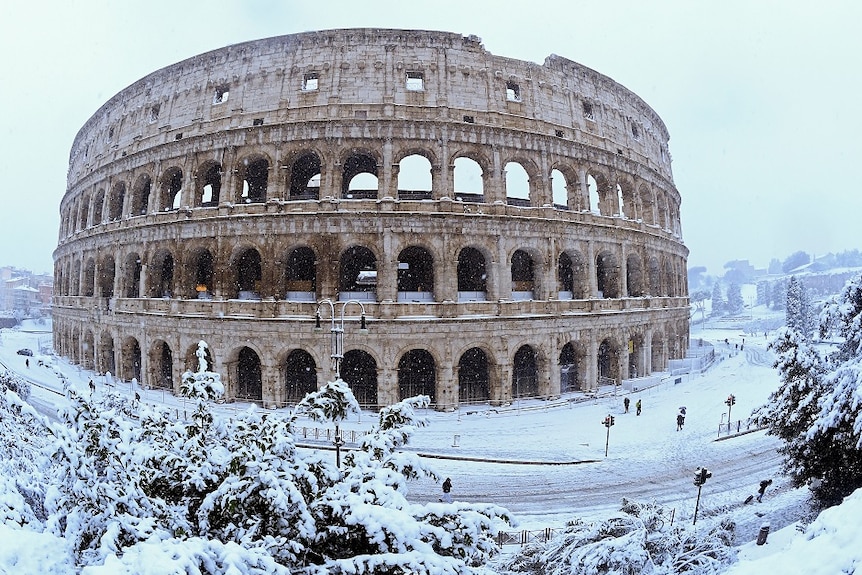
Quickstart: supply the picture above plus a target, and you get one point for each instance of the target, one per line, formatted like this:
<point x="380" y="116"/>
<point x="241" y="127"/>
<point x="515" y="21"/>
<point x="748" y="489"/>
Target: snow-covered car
<point x="25" y="351"/>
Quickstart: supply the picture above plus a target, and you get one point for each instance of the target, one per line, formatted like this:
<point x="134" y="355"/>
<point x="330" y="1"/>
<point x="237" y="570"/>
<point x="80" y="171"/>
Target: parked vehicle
<point x="25" y="351"/>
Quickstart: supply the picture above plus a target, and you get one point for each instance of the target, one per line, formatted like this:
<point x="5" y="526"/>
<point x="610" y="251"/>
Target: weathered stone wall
<point x="137" y="218"/>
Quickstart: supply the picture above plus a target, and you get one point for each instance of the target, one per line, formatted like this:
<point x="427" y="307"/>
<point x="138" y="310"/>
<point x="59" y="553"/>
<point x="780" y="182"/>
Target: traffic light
<point x="608" y="421"/>
<point x="701" y="474"/>
<point x="731" y="400"/>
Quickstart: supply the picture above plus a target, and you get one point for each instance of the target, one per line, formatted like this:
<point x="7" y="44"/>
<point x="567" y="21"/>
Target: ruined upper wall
<point x="365" y="71"/>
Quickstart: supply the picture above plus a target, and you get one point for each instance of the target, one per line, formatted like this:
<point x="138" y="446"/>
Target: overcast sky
<point x="761" y="98"/>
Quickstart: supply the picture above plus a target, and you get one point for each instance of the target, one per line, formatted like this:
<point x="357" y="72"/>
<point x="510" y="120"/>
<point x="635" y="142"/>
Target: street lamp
<point x="336" y="338"/>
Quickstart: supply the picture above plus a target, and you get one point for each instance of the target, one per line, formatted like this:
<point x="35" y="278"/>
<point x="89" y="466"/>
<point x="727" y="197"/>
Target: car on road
<point x="25" y="351"/>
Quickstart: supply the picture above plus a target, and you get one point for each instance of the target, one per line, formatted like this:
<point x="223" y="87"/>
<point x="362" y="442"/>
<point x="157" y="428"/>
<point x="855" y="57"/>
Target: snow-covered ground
<point x="546" y="461"/>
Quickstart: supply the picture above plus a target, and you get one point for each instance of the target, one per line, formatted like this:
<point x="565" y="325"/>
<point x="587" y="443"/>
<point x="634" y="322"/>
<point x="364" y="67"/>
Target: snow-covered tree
<point x="718" y="304"/>
<point x="817" y="410"/>
<point x="779" y="294"/>
<point x="735" y="303"/>
<point x="636" y="540"/>
<point x="213" y="492"/>
<point x="798" y="312"/>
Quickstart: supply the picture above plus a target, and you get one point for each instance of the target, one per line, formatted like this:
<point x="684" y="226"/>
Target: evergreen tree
<point x="779" y="294"/>
<point x="793" y="307"/>
<point x="718" y="305"/>
<point x="764" y="295"/>
<point x="817" y="410"/>
<point x="735" y="303"/>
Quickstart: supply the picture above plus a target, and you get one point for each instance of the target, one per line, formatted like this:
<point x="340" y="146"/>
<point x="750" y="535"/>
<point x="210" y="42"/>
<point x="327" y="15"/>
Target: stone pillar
<point x="446" y="388"/>
<point x="387" y="385"/>
<point x="592" y="375"/>
<point x="388" y="182"/>
<point x="592" y="270"/>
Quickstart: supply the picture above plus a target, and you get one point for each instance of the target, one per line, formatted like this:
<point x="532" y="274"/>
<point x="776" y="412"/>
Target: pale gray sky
<point x="760" y="97"/>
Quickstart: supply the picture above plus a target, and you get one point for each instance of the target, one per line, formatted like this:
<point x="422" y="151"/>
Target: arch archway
<point x="607" y="275"/>
<point x="300" y="375"/>
<point x="608" y="362"/>
<point x="417" y="375"/>
<point x="359" y="371"/>
<point x="357" y="274"/>
<point x="247" y="275"/>
<point x="523" y="278"/>
<point x="249" y="382"/>
<point x="304" y="177"/>
<point x="300" y="275"/>
<point x="415" y="275"/>
<point x="474" y="384"/>
<point x="525" y="373"/>
<point x="162" y="365"/>
<point x="634" y="276"/>
<point x="572" y="368"/>
<point x="472" y="275"/>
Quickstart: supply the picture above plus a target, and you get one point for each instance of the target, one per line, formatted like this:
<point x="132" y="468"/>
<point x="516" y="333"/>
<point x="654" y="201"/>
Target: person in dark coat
<point x="763" y="485"/>
<point x="626" y="404"/>
<point x="680" y="421"/>
<point x="447" y="488"/>
<point x="638" y="407"/>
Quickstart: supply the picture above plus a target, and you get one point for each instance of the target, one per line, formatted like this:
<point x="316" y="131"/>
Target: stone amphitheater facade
<point x="507" y="229"/>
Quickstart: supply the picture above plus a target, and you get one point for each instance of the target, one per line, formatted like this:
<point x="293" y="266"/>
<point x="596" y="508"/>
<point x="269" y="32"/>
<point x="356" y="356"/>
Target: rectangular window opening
<point x="415" y="81"/>
<point x="257" y="122"/>
<point x="635" y="132"/>
<point x="222" y="93"/>
<point x="178" y="136"/>
<point x="469" y="119"/>
<point x="513" y="92"/>
<point x="560" y="133"/>
<point x="310" y="82"/>
<point x="360" y="114"/>
<point x="588" y="111"/>
<point x="154" y="113"/>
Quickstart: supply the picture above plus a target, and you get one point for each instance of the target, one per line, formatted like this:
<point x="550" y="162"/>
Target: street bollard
<point x="456" y="441"/>
<point x="764" y="531"/>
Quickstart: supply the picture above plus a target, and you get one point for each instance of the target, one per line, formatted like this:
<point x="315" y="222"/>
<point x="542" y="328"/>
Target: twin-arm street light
<point x="336" y="334"/>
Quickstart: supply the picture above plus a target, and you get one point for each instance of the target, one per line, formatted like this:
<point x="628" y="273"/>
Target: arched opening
<point x="162" y="361"/>
<point x="417" y="375"/>
<point x="304" y="178"/>
<point x="115" y="205"/>
<point x="468" y="181"/>
<point x="141" y="195"/>
<point x="654" y="273"/>
<point x="572" y="368"/>
<point x="474" y="384"/>
<point x="247" y="275"/>
<point x="249" y="384"/>
<point x="657" y="355"/>
<point x="105" y="360"/>
<point x="628" y="201"/>
<point x="171" y="189"/>
<point x="359" y="177"/>
<point x="133" y="275"/>
<point x="593" y="192"/>
<point x="357" y="274"/>
<point x="98" y="207"/>
<point x="88" y="281"/>
<point x="517" y="184"/>
<point x="608" y="363"/>
<point x="647" y="205"/>
<point x="88" y="351"/>
<point x="414" y="178"/>
<point x="300" y="376"/>
<point x="209" y="185"/>
<point x="301" y="275"/>
<point x="415" y="275"/>
<point x="559" y="190"/>
<point x="522" y="276"/>
<point x="254" y="173"/>
<point x="634" y="276"/>
<point x="203" y="263"/>
<point x="525" y="373"/>
<point x="472" y="275"/>
<point x="84" y="214"/>
<point x="107" y="271"/>
<point x="130" y="367"/>
<point x="607" y="275"/>
<point x="636" y="365"/>
<point x="619" y="207"/>
<point x="359" y="371"/>
<point x="162" y="272"/>
<point x="565" y="277"/>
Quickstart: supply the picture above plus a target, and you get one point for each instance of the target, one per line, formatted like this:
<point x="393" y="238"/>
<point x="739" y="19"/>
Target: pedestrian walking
<point x="763" y="485"/>
<point x="680" y="421"/>
<point x="27" y="363"/>
<point x="92" y="387"/>
<point x="638" y="407"/>
<point x="626" y="404"/>
<point x="447" y="488"/>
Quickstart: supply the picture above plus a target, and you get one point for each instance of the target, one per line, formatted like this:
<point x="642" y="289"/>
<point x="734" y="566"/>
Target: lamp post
<point x="336" y="336"/>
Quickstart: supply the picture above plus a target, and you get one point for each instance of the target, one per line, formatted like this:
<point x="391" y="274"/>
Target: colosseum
<point x="400" y="207"/>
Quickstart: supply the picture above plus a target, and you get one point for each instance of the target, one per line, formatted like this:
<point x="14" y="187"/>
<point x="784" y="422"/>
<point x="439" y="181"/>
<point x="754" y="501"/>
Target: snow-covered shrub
<point x="127" y="486"/>
<point x="634" y="542"/>
<point x="13" y="382"/>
